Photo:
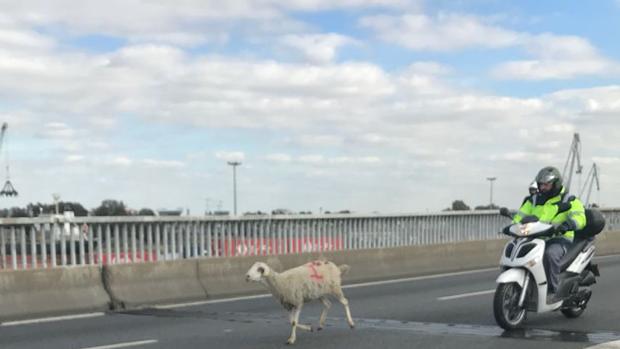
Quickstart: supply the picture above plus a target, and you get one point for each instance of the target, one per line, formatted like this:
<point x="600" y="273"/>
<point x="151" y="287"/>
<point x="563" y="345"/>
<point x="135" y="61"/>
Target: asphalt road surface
<point x="441" y="311"/>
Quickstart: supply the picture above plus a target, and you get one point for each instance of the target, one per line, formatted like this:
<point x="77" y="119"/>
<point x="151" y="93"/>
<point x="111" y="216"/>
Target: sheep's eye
<point x="261" y="270"/>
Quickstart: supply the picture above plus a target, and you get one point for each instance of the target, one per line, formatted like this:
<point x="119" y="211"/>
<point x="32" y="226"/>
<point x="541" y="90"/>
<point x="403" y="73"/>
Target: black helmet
<point x="550" y="174"/>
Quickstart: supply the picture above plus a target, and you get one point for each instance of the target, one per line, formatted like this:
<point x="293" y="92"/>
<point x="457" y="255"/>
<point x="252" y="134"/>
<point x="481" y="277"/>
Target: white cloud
<point x="606" y="160"/>
<point x="320" y="140"/>
<point x="187" y="23"/>
<point x="279" y="158"/>
<point x="312" y="159"/>
<point x="444" y="32"/>
<point x="230" y="156"/>
<point x="163" y="163"/>
<point x="317" y="48"/>
<point x="58" y="131"/>
<point x="23" y="39"/>
<point x="74" y="158"/>
<point x="346" y="160"/>
<point x="557" y="57"/>
<point x="122" y="161"/>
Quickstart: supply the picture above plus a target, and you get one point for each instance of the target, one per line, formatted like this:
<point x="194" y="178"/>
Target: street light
<point x="491" y="180"/>
<point x="56" y="197"/>
<point x="234" y="165"/>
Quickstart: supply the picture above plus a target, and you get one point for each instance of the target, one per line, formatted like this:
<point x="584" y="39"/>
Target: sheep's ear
<point x="261" y="270"/>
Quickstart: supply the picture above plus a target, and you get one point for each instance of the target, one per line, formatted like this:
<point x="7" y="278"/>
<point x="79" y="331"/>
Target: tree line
<point x="107" y="207"/>
<point x="460" y="205"/>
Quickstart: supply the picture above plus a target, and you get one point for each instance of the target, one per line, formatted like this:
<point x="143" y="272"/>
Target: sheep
<point x="294" y="287"/>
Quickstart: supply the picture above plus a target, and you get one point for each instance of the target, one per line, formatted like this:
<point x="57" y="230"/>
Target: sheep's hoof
<point x="319" y="328"/>
<point x="352" y="326"/>
<point x="290" y="342"/>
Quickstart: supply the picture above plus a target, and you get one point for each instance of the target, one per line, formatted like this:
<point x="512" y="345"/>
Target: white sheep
<point x="294" y="287"/>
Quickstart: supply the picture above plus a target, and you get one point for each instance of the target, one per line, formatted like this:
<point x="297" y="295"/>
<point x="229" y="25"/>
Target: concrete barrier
<point x="47" y="292"/>
<point x="134" y="285"/>
<point x="608" y="243"/>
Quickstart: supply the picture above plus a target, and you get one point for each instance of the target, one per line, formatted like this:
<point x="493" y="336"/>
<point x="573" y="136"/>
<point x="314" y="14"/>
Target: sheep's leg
<point x="294" y="318"/>
<point x="304" y="327"/>
<point x="345" y="302"/>
<point x="326" y="305"/>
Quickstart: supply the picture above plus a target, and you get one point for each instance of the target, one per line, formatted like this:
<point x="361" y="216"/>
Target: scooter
<point x="522" y="286"/>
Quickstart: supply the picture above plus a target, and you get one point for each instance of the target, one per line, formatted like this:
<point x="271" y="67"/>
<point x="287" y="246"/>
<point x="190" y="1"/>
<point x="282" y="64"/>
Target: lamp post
<point x="56" y="197"/>
<point x="491" y="180"/>
<point x="234" y="165"/>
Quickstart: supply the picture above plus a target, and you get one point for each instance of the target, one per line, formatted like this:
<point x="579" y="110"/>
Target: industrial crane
<point x="574" y="155"/>
<point x="591" y="178"/>
<point x="7" y="189"/>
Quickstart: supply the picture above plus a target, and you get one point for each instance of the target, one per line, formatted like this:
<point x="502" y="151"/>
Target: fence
<point x="60" y="241"/>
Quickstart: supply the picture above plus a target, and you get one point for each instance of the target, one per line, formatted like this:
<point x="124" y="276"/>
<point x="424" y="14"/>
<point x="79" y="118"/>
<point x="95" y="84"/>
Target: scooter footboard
<point x="512" y="275"/>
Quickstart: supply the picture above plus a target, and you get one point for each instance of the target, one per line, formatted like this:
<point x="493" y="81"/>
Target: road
<point x="443" y="311"/>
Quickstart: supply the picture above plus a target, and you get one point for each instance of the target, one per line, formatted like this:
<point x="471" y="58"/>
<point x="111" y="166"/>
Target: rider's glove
<point x="504" y="212"/>
<point x="565" y="226"/>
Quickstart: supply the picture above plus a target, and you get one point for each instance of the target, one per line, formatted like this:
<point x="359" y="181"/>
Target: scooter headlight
<point x="525" y="229"/>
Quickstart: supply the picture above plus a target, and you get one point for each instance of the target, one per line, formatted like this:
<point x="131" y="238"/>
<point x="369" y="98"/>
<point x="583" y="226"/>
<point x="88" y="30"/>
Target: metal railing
<point x="61" y="241"/>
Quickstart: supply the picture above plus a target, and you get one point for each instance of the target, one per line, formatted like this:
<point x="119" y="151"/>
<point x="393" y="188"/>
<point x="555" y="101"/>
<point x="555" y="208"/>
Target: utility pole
<point x="491" y="180"/>
<point x="234" y="165"/>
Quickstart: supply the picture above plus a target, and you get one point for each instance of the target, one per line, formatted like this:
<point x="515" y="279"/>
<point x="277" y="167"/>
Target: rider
<point x="553" y="205"/>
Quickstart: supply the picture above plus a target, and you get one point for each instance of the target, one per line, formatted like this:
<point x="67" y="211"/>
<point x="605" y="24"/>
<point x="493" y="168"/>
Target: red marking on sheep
<point x="315" y="275"/>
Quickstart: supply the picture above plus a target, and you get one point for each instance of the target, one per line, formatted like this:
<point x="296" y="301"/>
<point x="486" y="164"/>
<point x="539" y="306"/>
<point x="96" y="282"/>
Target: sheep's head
<point x="257" y="272"/>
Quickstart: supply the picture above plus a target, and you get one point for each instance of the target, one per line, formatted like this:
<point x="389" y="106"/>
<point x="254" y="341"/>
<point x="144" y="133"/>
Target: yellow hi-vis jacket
<point x="547" y="211"/>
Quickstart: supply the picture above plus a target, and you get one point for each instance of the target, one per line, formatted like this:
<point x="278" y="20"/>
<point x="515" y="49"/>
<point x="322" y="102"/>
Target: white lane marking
<point x="125" y="344"/>
<point x="213" y="301"/>
<point x="608" y="345"/>
<point x="416" y="278"/>
<point x="51" y="319"/>
<point x="464" y="295"/>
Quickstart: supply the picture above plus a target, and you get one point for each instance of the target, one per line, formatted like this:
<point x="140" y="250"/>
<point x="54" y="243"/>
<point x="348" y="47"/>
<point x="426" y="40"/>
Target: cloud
<point x="606" y="160"/>
<point x="230" y="156"/>
<point x="312" y="159"/>
<point x="554" y="56"/>
<point x="122" y="161"/>
<point x="163" y="163"/>
<point x="188" y="23"/>
<point x="444" y="32"/>
<point x="58" y="131"/>
<point x="320" y="140"/>
<point x="558" y="57"/>
<point x="74" y="158"/>
<point x="317" y="48"/>
<point x="278" y="158"/>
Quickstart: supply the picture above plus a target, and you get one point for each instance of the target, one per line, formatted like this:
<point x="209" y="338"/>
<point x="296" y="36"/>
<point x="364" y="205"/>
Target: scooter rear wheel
<point x="508" y="314"/>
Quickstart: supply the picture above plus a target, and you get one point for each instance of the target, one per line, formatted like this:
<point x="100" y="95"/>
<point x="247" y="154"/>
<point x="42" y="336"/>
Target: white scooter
<point x="522" y="286"/>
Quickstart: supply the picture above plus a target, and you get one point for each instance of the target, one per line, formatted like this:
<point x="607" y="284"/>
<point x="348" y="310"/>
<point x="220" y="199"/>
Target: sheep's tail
<point x="344" y="268"/>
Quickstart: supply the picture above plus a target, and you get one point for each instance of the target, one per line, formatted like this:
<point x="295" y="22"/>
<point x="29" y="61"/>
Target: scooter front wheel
<point x="508" y="314"/>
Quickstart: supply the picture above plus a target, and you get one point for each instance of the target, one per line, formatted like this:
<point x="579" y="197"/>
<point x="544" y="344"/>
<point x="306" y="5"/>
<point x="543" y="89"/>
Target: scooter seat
<point x="572" y="253"/>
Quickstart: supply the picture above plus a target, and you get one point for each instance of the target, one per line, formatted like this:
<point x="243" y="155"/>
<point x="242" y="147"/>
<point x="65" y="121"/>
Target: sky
<point x="388" y="106"/>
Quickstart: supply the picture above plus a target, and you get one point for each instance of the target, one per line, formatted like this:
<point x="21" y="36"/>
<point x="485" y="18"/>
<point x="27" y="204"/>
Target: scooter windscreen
<point x="530" y="229"/>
